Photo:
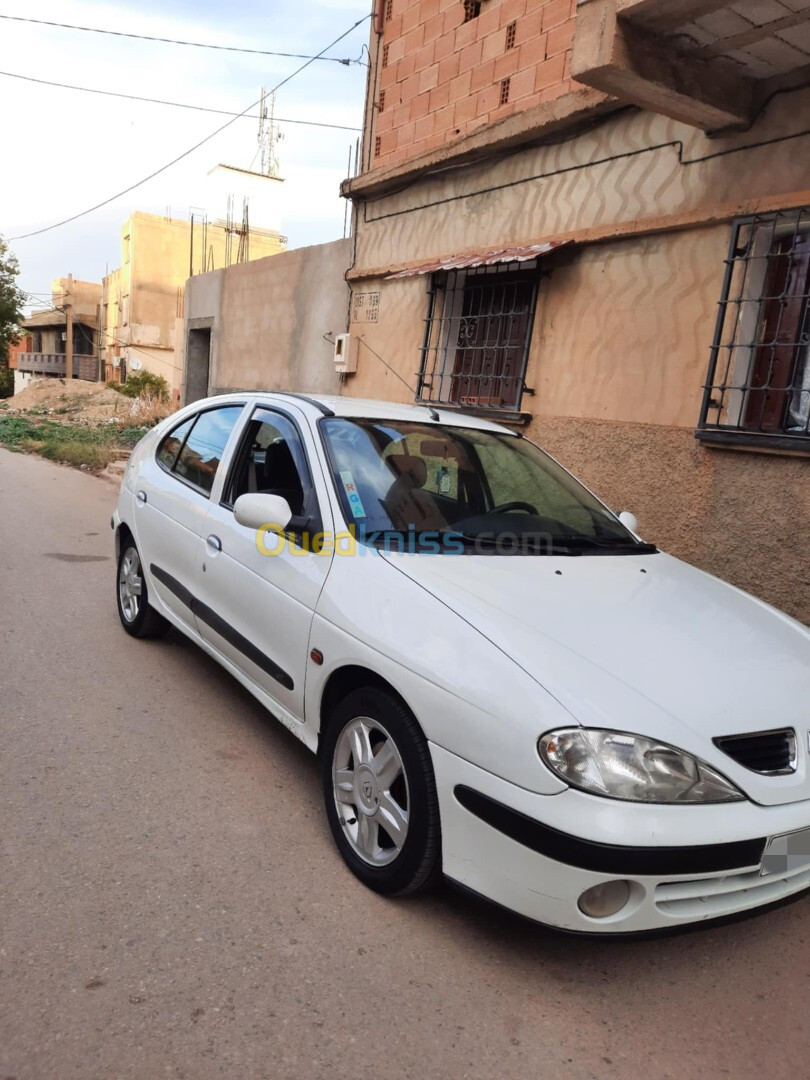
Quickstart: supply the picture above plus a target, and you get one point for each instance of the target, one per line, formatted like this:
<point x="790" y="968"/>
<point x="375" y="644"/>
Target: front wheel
<point x="380" y="793"/>
<point x="137" y="617"/>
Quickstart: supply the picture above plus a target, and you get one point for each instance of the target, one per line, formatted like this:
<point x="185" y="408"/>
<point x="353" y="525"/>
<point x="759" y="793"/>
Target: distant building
<point x="46" y="334"/>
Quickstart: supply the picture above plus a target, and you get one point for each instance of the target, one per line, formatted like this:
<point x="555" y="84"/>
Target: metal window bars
<point x="758" y="384"/>
<point x="477" y="334"/>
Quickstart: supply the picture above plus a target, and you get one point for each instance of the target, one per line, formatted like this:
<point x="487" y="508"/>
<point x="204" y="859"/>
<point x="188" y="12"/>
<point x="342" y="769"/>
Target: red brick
<point x="487" y="99"/>
<point x="384" y="122"/>
<point x="388" y="142"/>
<point x="405" y="135"/>
<point x="423" y="57"/>
<point x="420" y="106"/>
<point x="482" y="75"/>
<point x="414" y="39"/>
<point x="410" y="88"/>
<point x="522" y="84"/>
<point x="448" y="68"/>
<point x="406" y="67"/>
<point x="453" y="17"/>
<point x="388" y="76"/>
<point x="428" y="9"/>
<point x="460" y="86"/>
<point x="560" y="38"/>
<point x="511" y="10"/>
<point x="488" y="21"/>
<point x="529" y="26"/>
<point x="470" y="57"/>
<point x="551" y="93"/>
<point x="401" y="114"/>
<point x="558" y="11"/>
<point x="466" y="34"/>
<point x="439" y="97"/>
<point x="434" y="28"/>
<point x="423" y="128"/>
<point x="530" y="101"/>
<point x="428" y="78"/>
<point x="549" y="72"/>
<point x="443" y="119"/>
<point x="435" y="140"/>
<point x="393" y="29"/>
<point x="501" y="112"/>
<point x="410" y="17"/>
<point x="445" y="4"/>
<point x="393" y="96"/>
<point x="507" y="64"/>
<point x="493" y="45"/>
<point x="445" y="45"/>
<point x="465" y="110"/>
<point x="532" y="52"/>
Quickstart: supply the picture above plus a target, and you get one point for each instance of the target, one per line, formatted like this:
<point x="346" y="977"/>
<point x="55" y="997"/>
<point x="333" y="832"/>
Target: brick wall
<point x="439" y="77"/>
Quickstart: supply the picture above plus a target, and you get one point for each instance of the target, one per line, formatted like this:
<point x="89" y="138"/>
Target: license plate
<point x="787" y="853"/>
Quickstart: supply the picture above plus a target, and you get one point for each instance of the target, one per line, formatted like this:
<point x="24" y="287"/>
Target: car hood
<point x="642" y="643"/>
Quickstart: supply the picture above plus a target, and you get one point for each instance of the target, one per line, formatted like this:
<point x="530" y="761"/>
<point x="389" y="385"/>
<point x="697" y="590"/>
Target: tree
<point x="11" y="304"/>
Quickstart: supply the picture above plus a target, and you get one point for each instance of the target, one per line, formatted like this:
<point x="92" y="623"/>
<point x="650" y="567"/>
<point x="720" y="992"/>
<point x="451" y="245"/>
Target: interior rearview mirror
<point x="257" y="510"/>
<point x="629" y="521"/>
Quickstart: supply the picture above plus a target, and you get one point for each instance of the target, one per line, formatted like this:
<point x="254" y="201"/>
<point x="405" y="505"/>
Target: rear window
<point x="194" y="449"/>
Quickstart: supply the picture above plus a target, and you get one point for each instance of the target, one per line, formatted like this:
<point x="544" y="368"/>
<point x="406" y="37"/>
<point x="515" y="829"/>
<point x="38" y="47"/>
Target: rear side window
<point x="201" y="442"/>
<point x="170" y="447"/>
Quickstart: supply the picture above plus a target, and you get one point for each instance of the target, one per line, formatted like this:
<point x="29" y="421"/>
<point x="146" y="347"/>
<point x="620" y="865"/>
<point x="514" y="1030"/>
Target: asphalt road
<point x="171" y="904"/>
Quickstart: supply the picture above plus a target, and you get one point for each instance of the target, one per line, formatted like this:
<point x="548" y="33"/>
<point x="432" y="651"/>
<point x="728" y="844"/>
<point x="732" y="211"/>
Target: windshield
<point x="429" y="488"/>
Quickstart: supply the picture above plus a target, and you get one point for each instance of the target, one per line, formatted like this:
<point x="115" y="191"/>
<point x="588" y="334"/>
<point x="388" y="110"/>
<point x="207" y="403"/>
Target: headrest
<point x="408" y="467"/>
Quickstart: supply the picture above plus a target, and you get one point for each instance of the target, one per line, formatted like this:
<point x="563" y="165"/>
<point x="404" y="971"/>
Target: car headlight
<point x="630" y="767"/>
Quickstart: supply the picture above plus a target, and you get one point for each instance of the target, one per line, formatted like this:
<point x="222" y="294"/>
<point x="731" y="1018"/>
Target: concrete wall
<point x="268" y="319"/>
<point x="437" y="78"/>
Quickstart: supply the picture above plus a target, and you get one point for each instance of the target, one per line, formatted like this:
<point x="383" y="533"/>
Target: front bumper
<point x="536" y="854"/>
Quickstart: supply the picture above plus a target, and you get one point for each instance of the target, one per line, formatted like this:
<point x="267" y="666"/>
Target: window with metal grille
<point x="511" y="33"/>
<point x="504" y="95"/>
<point x="389" y="10"/>
<point x="382" y="100"/>
<point x="377" y="145"/>
<point x="472" y="9"/>
<point x="477" y="335"/>
<point x="758" y="384"/>
<point x="385" y="55"/>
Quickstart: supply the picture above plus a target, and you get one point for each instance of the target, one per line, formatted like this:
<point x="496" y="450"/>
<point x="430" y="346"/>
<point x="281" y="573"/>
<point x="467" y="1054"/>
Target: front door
<point x="258" y="592"/>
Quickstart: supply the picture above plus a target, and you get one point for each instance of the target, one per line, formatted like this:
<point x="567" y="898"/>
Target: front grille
<point x="709" y="898"/>
<point x="768" y="752"/>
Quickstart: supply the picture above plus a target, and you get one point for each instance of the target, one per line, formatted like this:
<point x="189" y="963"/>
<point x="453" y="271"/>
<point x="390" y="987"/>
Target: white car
<point x="504" y="683"/>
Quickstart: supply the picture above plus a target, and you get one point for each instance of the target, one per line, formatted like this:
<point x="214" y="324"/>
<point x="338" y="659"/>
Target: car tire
<point x="137" y="617"/>
<point x="380" y="793"/>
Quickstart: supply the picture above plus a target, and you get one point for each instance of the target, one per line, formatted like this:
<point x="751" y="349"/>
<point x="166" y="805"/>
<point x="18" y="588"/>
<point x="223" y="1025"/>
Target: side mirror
<point x="257" y="510"/>
<point x="629" y="521"/>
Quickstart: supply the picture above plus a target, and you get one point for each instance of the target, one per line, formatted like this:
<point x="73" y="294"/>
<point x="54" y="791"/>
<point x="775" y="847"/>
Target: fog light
<point x="605" y="899"/>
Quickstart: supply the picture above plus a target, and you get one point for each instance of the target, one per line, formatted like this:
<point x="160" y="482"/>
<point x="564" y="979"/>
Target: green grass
<point x="74" y="444"/>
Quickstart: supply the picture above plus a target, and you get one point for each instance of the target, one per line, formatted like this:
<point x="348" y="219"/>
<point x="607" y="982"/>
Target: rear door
<point x="258" y="592"/>
<point x="172" y="493"/>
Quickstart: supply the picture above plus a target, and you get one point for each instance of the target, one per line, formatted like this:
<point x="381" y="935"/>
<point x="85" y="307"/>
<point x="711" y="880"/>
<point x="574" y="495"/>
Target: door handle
<point x="214" y="542"/>
<point x="141" y="497"/>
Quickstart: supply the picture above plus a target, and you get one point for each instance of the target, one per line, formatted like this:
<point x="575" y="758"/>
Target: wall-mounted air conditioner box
<point x="346" y="346"/>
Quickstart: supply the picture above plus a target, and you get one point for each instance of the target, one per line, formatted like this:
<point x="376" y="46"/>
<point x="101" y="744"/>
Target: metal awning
<point x="492" y="257"/>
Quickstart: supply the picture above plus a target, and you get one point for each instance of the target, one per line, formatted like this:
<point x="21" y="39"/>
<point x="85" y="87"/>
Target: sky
<point x="64" y="150"/>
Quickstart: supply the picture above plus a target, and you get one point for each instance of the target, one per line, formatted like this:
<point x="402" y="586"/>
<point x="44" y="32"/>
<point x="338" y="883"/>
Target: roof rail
<point x="319" y="405"/>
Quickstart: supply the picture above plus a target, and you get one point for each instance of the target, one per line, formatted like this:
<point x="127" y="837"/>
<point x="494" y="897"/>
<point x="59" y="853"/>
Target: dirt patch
<point x="76" y="399"/>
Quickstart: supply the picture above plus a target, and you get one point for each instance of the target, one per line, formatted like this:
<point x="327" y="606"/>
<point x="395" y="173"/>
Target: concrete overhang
<point x="708" y="63"/>
<point x="531" y="127"/>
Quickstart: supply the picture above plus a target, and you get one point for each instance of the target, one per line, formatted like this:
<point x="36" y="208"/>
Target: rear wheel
<point x="137" y="617"/>
<point x="380" y="793"/>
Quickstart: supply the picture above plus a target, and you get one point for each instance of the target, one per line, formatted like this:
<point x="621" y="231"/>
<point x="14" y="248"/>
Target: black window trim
<point x="312" y="518"/>
<point x="714" y="434"/>
<point x="181" y="479"/>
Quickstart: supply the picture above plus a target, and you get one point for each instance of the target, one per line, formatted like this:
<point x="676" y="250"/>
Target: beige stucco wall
<point x="268" y="319"/>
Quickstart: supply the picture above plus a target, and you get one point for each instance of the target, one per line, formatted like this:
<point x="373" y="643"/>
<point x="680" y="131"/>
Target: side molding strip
<point x="225" y="630"/>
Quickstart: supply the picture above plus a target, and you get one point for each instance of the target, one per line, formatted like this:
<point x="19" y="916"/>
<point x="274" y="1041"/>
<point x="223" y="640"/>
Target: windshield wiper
<point x="629" y="547"/>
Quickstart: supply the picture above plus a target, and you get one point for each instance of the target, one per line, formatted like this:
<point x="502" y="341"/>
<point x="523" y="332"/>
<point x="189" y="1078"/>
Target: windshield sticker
<point x="349" y="486"/>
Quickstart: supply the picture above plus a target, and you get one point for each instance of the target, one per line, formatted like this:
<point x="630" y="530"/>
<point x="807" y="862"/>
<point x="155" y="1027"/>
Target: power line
<point x="194" y="44"/>
<point x="191" y="149"/>
<point x="175" y="104"/>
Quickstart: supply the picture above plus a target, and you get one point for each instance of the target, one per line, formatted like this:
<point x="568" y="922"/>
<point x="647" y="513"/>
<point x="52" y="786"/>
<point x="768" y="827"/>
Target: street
<point x="171" y="903"/>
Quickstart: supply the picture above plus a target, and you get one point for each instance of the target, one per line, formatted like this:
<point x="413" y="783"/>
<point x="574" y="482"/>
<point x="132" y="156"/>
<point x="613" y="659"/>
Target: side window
<point x="170" y="447"/>
<point x="272" y="461"/>
<point x="204" y="444"/>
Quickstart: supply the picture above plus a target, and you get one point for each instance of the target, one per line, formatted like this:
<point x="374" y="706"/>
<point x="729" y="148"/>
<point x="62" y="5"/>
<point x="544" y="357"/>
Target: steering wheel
<point x="527" y="508"/>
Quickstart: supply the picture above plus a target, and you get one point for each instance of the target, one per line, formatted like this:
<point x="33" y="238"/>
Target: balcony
<point x="32" y="363"/>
